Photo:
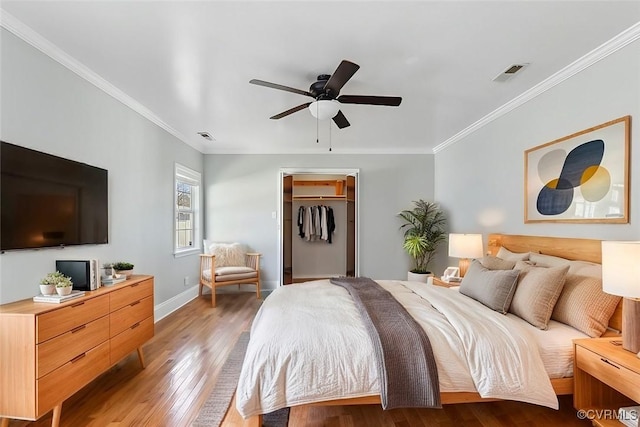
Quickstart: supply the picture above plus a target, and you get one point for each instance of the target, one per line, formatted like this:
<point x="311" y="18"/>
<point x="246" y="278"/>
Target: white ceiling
<point x="187" y="65"/>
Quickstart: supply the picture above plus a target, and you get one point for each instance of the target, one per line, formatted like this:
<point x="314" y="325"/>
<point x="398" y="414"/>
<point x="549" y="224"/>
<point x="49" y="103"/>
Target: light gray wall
<point x="49" y="108"/>
<point x="480" y="179"/>
<point x="241" y="193"/>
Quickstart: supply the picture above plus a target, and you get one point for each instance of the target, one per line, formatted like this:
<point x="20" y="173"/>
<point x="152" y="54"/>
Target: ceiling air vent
<point x="206" y="135"/>
<point x="509" y="72"/>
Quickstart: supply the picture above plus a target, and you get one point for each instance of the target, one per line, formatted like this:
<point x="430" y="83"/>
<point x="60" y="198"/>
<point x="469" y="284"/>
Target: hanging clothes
<point x="316" y="223"/>
<point x="301" y="221"/>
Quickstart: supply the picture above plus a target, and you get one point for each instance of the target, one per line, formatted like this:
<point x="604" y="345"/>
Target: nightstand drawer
<point x="616" y="376"/>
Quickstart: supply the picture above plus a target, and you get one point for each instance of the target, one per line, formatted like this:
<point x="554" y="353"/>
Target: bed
<point x="313" y="369"/>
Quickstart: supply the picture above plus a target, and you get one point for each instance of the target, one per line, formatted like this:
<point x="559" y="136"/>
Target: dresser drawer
<point x="66" y="318"/>
<point x="616" y="376"/>
<point x="59" y="350"/>
<point x="132" y="338"/>
<point x="61" y="383"/>
<point x="129" y="294"/>
<point x="130" y="314"/>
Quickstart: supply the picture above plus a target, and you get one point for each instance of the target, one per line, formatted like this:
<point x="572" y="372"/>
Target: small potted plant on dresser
<point x="123" y="268"/>
<point x="49" y="282"/>
<point x="423" y="232"/>
<point x="64" y="285"/>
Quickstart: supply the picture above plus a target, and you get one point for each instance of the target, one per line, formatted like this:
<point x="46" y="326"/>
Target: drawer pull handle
<point x="136" y="325"/>
<point x="78" y="304"/>
<point x="79" y="328"/>
<point x="606" y="361"/>
<point x="75" y="359"/>
<point x="134" y="303"/>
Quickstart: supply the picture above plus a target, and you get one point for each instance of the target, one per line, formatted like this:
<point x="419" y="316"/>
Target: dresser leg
<point x="57" y="411"/>
<point x="4" y="422"/>
<point x="141" y="357"/>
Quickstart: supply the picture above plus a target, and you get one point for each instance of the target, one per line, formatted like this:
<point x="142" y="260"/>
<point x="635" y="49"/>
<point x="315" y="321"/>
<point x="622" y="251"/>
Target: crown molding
<point x="626" y="37"/>
<point x="27" y="34"/>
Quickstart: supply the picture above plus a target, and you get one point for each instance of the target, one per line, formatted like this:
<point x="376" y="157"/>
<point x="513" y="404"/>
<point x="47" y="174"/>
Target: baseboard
<point x="164" y="309"/>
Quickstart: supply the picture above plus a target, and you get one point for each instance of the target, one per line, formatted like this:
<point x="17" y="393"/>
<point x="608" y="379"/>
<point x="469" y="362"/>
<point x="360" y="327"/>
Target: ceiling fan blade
<point x="279" y="87"/>
<point x="290" y="111"/>
<point x="391" y="101"/>
<point x="340" y="76"/>
<point x="341" y="120"/>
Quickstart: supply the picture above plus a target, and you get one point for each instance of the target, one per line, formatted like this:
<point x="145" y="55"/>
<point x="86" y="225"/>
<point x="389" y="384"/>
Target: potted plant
<point x="48" y="283"/>
<point x="56" y="282"/>
<point x="423" y="232"/>
<point x="125" y="268"/>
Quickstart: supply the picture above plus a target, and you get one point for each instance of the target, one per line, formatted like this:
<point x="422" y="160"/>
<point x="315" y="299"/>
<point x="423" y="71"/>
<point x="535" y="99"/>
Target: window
<point x="187" y="211"/>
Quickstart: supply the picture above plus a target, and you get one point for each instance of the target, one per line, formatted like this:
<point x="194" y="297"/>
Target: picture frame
<point x="580" y="178"/>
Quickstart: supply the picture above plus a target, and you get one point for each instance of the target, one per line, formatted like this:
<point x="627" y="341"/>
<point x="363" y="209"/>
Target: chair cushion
<point x="238" y="276"/>
<point x="223" y="271"/>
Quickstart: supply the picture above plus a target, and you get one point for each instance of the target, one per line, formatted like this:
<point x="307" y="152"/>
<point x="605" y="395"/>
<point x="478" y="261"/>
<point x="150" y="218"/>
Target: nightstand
<point x="605" y="376"/>
<point x="438" y="282"/>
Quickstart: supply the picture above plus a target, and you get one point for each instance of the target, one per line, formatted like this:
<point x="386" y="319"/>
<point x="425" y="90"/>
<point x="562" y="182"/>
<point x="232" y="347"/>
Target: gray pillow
<point x="505" y="253"/>
<point x="493" y="288"/>
<point x="537" y="292"/>
<point x="494" y="263"/>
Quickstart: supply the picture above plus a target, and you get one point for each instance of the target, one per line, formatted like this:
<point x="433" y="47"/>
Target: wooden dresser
<point x="50" y="351"/>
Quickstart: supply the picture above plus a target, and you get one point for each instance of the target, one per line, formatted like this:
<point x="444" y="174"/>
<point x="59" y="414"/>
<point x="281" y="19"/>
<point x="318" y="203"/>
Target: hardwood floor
<point x="183" y="362"/>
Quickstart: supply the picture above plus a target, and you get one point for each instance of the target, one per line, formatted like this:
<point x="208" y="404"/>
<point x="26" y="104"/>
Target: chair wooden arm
<point x="253" y="260"/>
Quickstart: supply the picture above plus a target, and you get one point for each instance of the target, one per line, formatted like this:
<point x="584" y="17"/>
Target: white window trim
<point x="185" y="174"/>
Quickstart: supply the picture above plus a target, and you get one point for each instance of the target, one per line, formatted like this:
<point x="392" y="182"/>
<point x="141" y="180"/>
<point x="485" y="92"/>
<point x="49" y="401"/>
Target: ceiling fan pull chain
<point x="329" y="121"/>
<point x="317" y="129"/>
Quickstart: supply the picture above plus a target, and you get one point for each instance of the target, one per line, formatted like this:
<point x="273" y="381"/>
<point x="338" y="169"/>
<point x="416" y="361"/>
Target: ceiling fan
<point x="326" y="92"/>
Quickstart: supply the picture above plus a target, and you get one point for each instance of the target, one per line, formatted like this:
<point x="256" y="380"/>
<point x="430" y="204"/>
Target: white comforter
<point x="308" y="344"/>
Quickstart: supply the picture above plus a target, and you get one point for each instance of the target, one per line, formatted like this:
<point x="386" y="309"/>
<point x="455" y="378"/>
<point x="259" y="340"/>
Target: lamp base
<point x="631" y="325"/>
<point x="463" y="265"/>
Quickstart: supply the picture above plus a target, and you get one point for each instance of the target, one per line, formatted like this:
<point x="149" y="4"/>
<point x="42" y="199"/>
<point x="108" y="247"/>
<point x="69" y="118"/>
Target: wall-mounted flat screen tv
<point x="49" y="201"/>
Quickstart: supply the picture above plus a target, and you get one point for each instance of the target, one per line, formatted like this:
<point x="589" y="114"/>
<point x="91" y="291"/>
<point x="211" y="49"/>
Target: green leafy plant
<point x="56" y="279"/>
<point x="424" y="230"/>
<point x="121" y="266"/>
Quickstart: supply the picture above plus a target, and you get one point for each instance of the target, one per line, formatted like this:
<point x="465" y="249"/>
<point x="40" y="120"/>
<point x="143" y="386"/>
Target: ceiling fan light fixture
<point x="324" y="109"/>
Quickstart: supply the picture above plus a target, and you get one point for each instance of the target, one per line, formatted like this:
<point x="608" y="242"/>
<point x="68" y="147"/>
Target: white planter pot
<point x="47" y="289"/>
<point x="422" y="278"/>
<point x="125" y="273"/>
<point x="64" y="291"/>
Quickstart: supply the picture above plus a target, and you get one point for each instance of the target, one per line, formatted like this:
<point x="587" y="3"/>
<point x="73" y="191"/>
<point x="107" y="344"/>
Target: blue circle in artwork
<point x="552" y="201"/>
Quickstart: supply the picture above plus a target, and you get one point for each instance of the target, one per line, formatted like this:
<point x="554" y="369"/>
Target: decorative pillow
<point x="228" y="254"/>
<point x="583" y="305"/>
<point x="537" y="292"/>
<point x="493" y="288"/>
<point x="512" y="256"/>
<point x="547" y="260"/>
<point x="494" y="263"/>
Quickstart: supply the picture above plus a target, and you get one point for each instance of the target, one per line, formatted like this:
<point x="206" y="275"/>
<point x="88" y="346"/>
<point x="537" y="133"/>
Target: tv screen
<point x="50" y="201"/>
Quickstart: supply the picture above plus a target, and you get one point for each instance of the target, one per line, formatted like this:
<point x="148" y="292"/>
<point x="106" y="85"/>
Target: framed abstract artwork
<point x="581" y="178"/>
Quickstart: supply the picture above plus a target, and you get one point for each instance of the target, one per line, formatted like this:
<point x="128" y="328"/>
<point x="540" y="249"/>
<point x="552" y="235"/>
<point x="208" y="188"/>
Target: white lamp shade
<point x="465" y="245"/>
<point x="324" y="109"/>
<point x="621" y="268"/>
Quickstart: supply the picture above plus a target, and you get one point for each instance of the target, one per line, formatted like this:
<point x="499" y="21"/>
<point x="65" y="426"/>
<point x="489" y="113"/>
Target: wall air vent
<point x="206" y="135"/>
<point x="509" y="72"/>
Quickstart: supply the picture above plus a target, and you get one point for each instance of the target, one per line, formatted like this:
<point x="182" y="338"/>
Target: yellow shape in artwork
<point x="595" y="183"/>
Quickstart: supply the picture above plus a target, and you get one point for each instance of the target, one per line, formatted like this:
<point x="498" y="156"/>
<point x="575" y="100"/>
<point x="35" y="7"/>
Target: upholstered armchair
<point x="226" y="264"/>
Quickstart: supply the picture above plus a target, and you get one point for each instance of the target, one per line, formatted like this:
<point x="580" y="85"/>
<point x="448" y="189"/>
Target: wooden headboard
<point x="564" y="247"/>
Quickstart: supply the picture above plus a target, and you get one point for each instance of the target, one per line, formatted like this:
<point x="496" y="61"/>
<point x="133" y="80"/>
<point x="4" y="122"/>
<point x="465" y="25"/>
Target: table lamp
<point x="465" y="247"/>
<point x="621" y="276"/>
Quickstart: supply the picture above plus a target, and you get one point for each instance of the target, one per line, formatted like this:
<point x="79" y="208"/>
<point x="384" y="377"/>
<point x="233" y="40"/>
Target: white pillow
<point x="228" y="254"/>
<point x="506" y="254"/>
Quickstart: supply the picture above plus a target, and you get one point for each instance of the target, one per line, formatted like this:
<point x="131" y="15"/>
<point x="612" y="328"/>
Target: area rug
<point x="214" y="409"/>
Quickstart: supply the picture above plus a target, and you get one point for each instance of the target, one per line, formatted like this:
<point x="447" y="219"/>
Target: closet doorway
<point x="312" y="200"/>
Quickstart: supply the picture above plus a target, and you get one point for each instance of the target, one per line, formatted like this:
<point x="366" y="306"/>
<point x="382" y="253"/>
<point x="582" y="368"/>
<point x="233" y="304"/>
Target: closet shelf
<point x="318" y="197"/>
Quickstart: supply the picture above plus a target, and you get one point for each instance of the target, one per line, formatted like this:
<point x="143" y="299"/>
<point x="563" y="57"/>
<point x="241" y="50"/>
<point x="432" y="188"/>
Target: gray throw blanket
<point x="405" y="361"/>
